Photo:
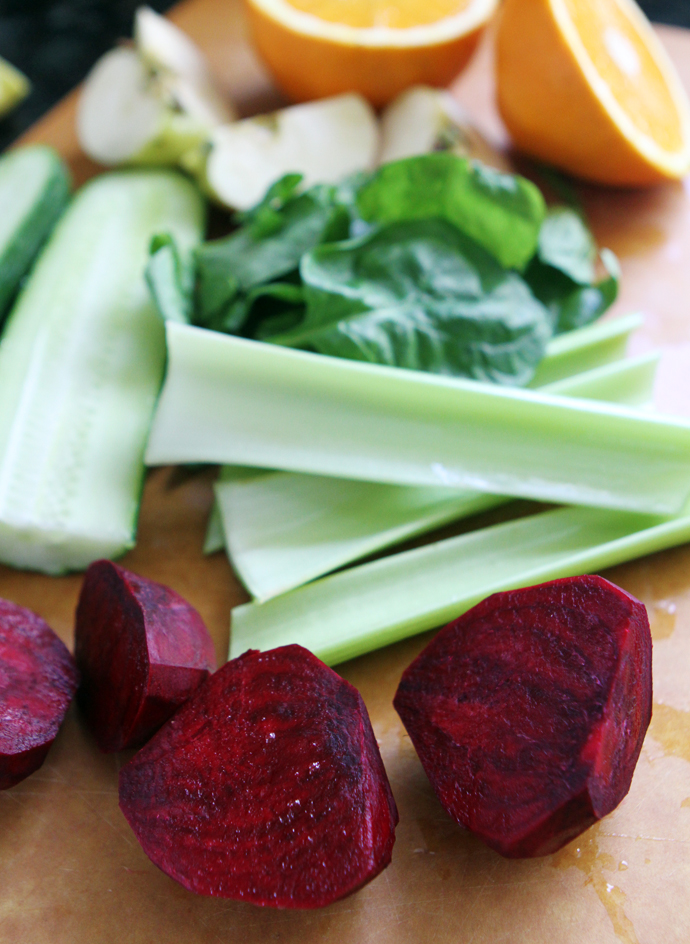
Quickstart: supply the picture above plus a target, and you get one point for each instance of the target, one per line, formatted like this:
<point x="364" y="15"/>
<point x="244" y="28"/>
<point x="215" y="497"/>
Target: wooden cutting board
<point x="71" y="871"/>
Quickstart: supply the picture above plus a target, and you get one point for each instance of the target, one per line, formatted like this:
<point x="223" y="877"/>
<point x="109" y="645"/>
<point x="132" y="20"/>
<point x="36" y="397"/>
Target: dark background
<point x="55" y="42"/>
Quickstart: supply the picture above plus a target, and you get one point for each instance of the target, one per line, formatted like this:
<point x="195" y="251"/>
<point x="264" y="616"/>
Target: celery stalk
<point x="376" y="604"/>
<point x="215" y="535"/>
<point x="578" y="351"/>
<point x="81" y="363"/>
<point x="575" y="351"/>
<point x="234" y="401"/>
<point x="286" y="528"/>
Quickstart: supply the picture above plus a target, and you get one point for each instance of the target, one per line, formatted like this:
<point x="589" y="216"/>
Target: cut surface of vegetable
<point x="142" y="650"/>
<point x="240" y="402"/>
<point x="324" y="140"/>
<point x="81" y="362"/>
<point x="528" y="712"/>
<point x="373" y="605"/>
<point x="283" y="529"/>
<point x="267" y="786"/>
<point x="39" y="678"/>
<point x="34" y="190"/>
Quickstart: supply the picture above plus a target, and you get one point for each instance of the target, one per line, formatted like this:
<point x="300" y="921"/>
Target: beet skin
<point x="38" y="679"/>
<point x="141" y="650"/>
<point x="528" y="712"/>
<point x="267" y="786"/>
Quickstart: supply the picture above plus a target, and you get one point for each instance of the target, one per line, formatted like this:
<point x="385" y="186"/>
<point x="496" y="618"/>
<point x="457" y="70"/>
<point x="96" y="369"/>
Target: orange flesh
<point x="620" y="56"/>
<point x="392" y="14"/>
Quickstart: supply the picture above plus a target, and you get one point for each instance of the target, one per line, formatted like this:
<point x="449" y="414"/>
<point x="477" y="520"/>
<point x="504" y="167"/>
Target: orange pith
<point x="364" y="14"/>
<point x="623" y="60"/>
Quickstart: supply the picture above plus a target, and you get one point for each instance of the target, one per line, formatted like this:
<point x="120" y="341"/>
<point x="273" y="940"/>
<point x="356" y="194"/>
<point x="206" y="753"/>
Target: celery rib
<point x="373" y="605"/>
<point x="287" y="528"/>
<point x="233" y="401"/>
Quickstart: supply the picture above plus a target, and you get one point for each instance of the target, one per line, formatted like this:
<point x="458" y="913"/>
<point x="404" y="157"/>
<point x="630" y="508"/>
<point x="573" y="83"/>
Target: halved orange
<point x="317" y="48"/>
<point x="587" y="86"/>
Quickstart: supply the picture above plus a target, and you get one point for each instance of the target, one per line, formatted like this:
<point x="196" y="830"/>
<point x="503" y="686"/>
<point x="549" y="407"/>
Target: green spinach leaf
<point x="566" y="244"/>
<point x="424" y="296"/>
<point x="572" y="304"/>
<point x="501" y="212"/>
<point x="170" y="278"/>
<point x="268" y="246"/>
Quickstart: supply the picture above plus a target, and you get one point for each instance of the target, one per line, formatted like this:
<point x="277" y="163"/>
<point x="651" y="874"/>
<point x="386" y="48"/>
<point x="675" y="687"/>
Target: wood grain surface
<point x="71" y="871"/>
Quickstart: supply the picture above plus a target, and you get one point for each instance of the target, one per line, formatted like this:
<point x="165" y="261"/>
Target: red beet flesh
<point x="38" y="679"/>
<point x="266" y="786"/>
<point x="141" y="649"/>
<point x="528" y="712"/>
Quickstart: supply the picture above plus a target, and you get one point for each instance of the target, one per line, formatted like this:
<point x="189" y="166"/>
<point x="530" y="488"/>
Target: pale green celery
<point x="285" y="528"/>
<point x="215" y="535"/>
<point x="81" y="363"/>
<point x="576" y="351"/>
<point x="214" y="539"/>
<point x="373" y="605"/>
<point x="233" y="401"/>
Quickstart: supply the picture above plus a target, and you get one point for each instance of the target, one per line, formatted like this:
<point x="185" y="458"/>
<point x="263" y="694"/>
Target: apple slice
<point x="425" y="119"/>
<point x="151" y="103"/>
<point x="123" y="119"/>
<point x="323" y="140"/>
<point x="180" y="67"/>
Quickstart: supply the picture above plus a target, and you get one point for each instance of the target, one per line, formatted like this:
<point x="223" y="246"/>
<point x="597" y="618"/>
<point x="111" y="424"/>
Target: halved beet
<point x="38" y="679"/>
<point x="528" y="712"/>
<point x="267" y="786"/>
<point x="141" y="649"/>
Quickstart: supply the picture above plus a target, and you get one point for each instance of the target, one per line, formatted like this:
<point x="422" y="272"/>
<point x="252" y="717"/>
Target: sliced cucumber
<point x="34" y="189"/>
<point x="81" y="362"/>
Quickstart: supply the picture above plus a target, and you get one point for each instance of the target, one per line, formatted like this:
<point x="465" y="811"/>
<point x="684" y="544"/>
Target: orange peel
<point x="318" y="48"/>
<point x="588" y="87"/>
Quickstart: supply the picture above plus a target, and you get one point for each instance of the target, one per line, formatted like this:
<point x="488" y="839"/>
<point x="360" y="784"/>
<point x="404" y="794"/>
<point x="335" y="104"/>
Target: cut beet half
<point x="141" y="650"/>
<point x="267" y="786"/>
<point x="528" y="712"/>
<point x="38" y="679"/>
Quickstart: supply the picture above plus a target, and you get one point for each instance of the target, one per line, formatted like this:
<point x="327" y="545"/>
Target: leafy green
<point x="501" y="212"/>
<point x="265" y="218"/>
<point x="421" y="295"/>
<point x="170" y="277"/>
<point x="268" y="246"/>
<point x="566" y="244"/>
<point x="428" y="282"/>
<point x="571" y="303"/>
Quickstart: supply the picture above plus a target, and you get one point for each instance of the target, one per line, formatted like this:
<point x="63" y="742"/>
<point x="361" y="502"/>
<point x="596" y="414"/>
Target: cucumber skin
<point x="81" y="362"/>
<point x="34" y="229"/>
